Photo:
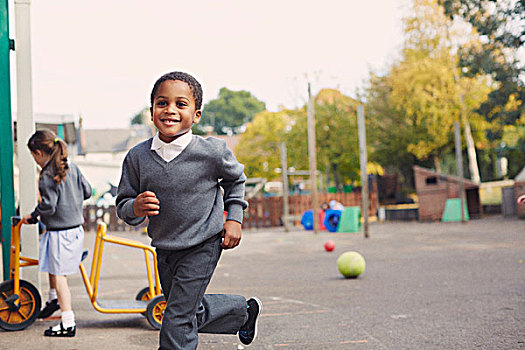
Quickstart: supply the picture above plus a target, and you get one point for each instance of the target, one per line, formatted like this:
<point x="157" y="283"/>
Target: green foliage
<point x="336" y="139"/>
<point x="231" y="110"/>
<point x="296" y="138"/>
<point x="500" y="33"/>
<point x="259" y="146"/>
<point x="141" y="117"/>
<point x="501" y="29"/>
<point x="512" y="147"/>
<point x="412" y="109"/>
<point x="336" y="135"/>
<point x="389" y="132"/>
<point x="424" y="89"/>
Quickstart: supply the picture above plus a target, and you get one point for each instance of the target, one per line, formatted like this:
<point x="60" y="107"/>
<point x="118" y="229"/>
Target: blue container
<point x="307" y="220"/>
<point x="331" y="219"/>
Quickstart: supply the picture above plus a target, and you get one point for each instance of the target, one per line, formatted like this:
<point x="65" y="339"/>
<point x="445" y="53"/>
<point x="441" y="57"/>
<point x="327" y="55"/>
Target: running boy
<point x="175" y="179"/>
<point x="63" y="189"/>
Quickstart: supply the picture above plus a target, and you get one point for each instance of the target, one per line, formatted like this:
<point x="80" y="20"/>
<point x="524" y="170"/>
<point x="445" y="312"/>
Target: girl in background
<point x="63" y="189"/>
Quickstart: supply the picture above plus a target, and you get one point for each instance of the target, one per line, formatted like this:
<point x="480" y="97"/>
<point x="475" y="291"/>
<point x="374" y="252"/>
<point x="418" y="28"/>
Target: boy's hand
<point x="146" y="204"/>
<point x="231" y="234"/>
<point x="25" y="219"/>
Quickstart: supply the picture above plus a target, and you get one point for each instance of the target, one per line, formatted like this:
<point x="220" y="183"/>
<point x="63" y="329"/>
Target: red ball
<point x="329" y="245"/>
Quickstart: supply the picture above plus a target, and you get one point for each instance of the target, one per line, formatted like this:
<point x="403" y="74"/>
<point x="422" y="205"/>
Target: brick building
<point x="433" y="190"/>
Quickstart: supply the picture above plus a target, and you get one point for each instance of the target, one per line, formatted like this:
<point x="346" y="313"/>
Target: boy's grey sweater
<point x="188" y="189"/>
<point x="61" y="205"/>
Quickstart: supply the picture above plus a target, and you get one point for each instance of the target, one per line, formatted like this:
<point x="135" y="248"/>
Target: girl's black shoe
<point x="49" y="309"/>
<point x="62" y="332"/>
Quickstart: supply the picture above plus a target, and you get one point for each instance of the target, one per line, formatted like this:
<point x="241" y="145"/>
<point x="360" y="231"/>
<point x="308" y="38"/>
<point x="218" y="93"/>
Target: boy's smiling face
<point x="173" y="111"/>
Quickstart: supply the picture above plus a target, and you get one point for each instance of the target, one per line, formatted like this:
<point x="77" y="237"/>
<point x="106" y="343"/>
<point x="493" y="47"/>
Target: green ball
<point x="351" y="264"/>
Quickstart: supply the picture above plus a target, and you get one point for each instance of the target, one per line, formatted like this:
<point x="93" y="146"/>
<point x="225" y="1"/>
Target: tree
<point x="231" y="111"/>
<point x="336" y="137"/>
<point x="412" y="109"/>
<point x="258" y="147"/>
<point x="422" y="84"/>
<point x="142" y="117"/>
<point x="389" y="131"/>
<point x="501" y="29"/>
<point x="336" y="134"/>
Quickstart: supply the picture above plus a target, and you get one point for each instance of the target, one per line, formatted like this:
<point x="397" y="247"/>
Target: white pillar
<point x="363" y="161"/>
<point x="312" y="155"/>
<point x="459" y="169"/>
<point x="25" y="128"/>
<point x="284" y="173"/>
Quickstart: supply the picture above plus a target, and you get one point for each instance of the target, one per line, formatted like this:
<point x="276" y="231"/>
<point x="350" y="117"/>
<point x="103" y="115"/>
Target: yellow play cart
<point x="20" y="301"/>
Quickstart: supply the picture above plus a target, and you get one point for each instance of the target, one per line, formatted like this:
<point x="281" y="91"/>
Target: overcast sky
<point x="100" y="58"/>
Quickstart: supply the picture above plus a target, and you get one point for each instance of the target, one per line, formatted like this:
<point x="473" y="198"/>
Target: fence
<point x="268" y="211"/>
<point x="261" y="213"/>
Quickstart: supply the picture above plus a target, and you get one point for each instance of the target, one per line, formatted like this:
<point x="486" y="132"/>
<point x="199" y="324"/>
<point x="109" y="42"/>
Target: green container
<point x="350" y="220"/>
<point x="452" y="212"/>
<point x="348" y="188"/>
<point x="332" y="189"/>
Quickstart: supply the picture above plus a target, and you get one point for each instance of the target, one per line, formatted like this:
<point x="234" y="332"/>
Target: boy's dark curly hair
<point x="194" y="85"/>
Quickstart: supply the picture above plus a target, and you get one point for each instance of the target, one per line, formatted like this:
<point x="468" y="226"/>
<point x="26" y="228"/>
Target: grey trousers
<point x="184" y="276"/>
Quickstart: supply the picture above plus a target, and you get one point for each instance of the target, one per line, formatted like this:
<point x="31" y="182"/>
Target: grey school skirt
<point x="60" y="251"/>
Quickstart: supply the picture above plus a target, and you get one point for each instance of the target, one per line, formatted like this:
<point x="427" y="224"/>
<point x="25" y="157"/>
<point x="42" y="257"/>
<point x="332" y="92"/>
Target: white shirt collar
<point x="178" y="143"/>
<point x="169" y="151"/>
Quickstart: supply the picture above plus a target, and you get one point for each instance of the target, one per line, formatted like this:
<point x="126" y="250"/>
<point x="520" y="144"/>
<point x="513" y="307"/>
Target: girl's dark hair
<point x="47" y="142"/>
<point x="194" y="85"/>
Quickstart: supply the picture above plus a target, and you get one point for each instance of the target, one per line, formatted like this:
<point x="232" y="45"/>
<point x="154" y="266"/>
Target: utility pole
<point x="363" y="161"/>
<point x="471" y="148"/>
<point x="284" y="173"/>
<point x="313" y="158"/>
<point x="7" y="188"/>
<point x="459" y="165"/>
<point x="25" y="128"/>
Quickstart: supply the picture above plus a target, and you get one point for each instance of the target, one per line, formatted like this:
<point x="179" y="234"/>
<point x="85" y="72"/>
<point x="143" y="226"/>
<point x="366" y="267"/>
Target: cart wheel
<point x="12" y="319"/>
<point x="155" y="311"/>
<point x="144" y="294"/>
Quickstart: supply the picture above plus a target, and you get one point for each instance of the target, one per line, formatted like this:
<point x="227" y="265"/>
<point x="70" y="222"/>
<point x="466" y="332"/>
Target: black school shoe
<point x="248" y="331"/>
<point x="49" y="309"/>
<point x="62" y="332"/>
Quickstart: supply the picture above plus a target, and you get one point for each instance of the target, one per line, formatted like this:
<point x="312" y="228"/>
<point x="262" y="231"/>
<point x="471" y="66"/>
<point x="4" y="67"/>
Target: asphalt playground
<point x="426" y="286"/>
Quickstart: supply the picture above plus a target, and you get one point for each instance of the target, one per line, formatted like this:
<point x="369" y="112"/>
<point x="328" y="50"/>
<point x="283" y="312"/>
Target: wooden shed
<point x="433" y="190"/>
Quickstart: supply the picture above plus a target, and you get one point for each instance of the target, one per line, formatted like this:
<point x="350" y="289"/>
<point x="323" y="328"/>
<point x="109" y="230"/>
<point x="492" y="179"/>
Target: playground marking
<point x="354" y="341"/>
<point x="277" y="301"/>
<point x="294" y="313"/>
